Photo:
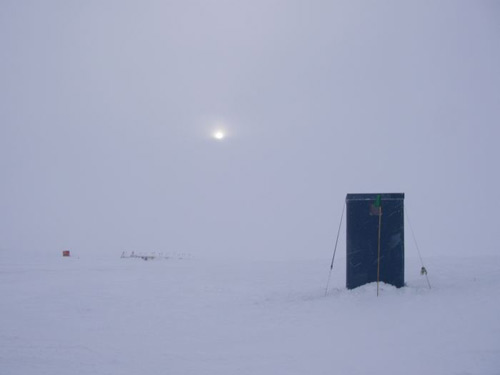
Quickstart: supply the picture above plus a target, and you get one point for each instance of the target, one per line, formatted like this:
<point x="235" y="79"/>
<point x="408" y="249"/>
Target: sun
<point x="219" y="135"/>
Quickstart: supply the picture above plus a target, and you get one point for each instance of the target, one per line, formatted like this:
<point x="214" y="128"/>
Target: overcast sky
<point x="107" y="110"/>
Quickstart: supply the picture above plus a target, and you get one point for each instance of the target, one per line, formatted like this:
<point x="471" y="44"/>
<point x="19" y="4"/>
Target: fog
<point x="107" y="111"/>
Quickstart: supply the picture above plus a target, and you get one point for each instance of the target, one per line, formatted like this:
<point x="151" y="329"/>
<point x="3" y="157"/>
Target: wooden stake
<point x="378" y="258"/>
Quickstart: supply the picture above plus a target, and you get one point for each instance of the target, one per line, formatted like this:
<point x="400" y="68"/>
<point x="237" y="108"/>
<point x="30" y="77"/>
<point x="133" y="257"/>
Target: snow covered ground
<point x="106" y="315"/>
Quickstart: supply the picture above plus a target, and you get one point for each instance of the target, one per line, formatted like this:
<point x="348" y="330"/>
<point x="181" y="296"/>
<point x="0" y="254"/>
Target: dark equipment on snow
<point x="375" y="239"/>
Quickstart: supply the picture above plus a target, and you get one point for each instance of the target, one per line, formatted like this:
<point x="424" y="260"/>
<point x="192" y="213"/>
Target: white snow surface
<point x="98" y="315"/>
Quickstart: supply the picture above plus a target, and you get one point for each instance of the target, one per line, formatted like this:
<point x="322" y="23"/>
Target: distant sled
<point x="154" y="255"/>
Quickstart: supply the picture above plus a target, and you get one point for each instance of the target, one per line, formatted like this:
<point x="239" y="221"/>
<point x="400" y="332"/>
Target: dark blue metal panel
<point x="362" y="227"/>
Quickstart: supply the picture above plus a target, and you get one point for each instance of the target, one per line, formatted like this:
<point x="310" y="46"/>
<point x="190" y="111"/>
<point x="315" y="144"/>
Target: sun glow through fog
<point x="219" y="135"/>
